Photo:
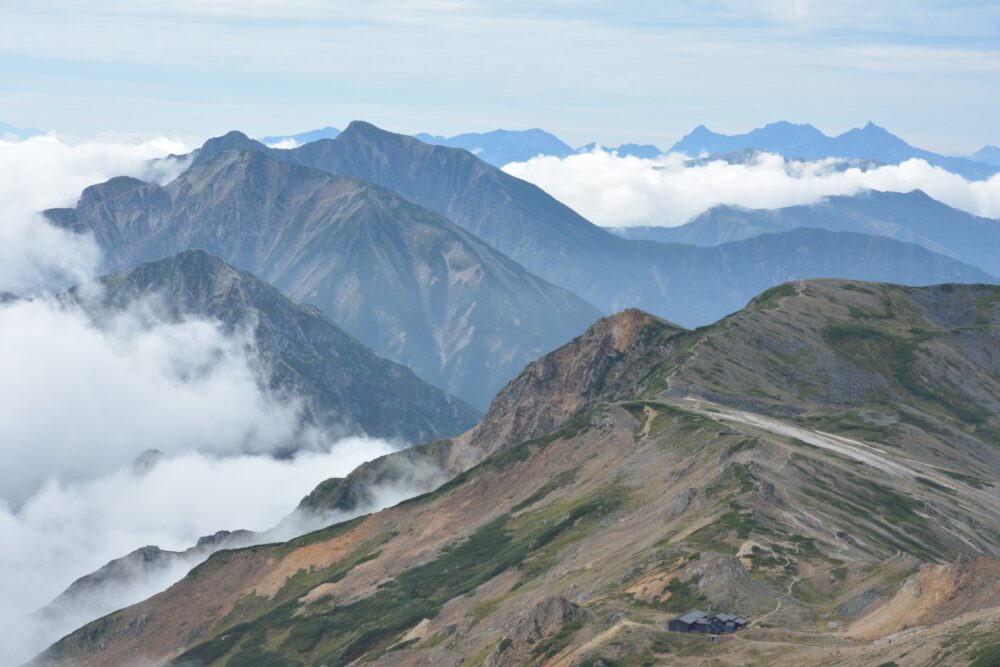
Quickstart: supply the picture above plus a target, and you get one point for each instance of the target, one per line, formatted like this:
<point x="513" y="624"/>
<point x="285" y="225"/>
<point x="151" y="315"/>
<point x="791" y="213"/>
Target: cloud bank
<point x="82" y="397"/>
<point x="68" y="529"/>
<point x="50" y="171"/>
<point x="615" y="191"/>
<point x="85" y="392"/>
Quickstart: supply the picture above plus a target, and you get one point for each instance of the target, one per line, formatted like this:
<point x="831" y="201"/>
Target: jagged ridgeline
<point x="341" y="384"/>
<point x="821" y="463"/>
<point x="415" y="287"/>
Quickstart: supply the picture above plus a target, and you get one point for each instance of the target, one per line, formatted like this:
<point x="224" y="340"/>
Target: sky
<point x="630" y="70"/>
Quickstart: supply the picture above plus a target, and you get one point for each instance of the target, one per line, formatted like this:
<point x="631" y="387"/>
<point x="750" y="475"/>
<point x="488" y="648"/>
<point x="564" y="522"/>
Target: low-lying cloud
<point x="86" y="392"/>
<point x="82" y="397"/>
<point x="68" y="529"/>
<point x="615" y="191"/>
<point x="50" y="171"/>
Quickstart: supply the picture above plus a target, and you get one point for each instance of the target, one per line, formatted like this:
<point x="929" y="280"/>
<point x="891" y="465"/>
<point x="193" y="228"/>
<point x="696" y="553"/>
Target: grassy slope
<point x="638" y="509"/>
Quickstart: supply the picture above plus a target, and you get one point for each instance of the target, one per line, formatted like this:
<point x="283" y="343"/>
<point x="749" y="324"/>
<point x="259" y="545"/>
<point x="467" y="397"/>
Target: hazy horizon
<point x="647" y="72"/>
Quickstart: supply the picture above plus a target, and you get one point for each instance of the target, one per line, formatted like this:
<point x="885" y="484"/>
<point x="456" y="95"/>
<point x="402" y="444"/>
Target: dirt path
<point x="790" y="586"/>
<point x="853" y="449"/>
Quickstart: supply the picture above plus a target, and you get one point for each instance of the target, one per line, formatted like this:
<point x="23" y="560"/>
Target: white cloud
<point x="85" y="392"/>
<point x="284" y="144"/>
<point x="80" y="398"/>
<point x="68" y="529"/>
<point x="619" y="191"/>
<point x="50" y="171"/>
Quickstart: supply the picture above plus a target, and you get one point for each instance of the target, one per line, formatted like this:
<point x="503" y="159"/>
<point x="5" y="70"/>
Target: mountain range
<point x="988" y="154"/>
<point x="7" y="131"/>
<point x="342" y="384"/>
<point x="402" y="279"/>
<point x="689" y="285"/>
<point x="327" y="132"/>
<point x="501" y="147"/>
<point x="498" y="147"/>
<point x="808" y="143"/>
<point x="794" y="141"/>
<point x="913" y="217"/>
<point x="822" y="463"/>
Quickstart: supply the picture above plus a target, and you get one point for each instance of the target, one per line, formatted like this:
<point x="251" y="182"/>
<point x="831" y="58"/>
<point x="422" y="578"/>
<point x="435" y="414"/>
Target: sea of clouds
<point x="85" y="396"/>
<point x="615" y="191"/>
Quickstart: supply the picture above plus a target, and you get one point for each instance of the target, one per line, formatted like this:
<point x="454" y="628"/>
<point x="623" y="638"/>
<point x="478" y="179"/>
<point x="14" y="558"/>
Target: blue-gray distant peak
<point x="871" y="142"/>
<point x="988" y="154"/>
<point x="328" y="132"/>
<point x="8" y="130"/>
<point x="645" y="151"/>
<point x="501" y="147"/>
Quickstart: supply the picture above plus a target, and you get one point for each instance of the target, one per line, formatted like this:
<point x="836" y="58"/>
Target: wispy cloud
<point x="51" y="171"/>
<point x="68" y="529"/>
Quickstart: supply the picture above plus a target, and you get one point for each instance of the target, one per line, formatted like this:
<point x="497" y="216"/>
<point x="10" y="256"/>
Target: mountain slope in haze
<point x="327" y="132"/>
<point x="342" y="383"/>
<point x="501" y="147"/>
<point x="691" y="286"/>
<point x="806" y="142"/>
<point x="988" y="154"/>
<point x="402" y="279"/>
<point x="644" y="151"/>
<point x="7" y="131"/>
<point x="912" y="217"/>
<point x="822" y="462"/>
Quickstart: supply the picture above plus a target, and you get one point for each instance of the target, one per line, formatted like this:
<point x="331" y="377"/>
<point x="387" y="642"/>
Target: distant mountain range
<point x="403" y="279"/>
<point x="988" y="154"/>
<point x="686" y="284"/>
<point x="913" y="217"/>
<point x="343" y="385"/>
<point x="422" y="291"/>
<point x="7" y="131"/>
<point x="806" y="142"/>
<point x="870" y="145"/>
<point x="501" y="147"/>
<point x="327" y="132"/>
<point x="645" y="151"/>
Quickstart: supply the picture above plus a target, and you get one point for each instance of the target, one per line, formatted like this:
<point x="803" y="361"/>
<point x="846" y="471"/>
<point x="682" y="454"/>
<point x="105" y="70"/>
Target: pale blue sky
<point x="640" y="70"/>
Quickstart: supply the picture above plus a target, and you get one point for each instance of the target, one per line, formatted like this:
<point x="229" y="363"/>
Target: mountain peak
<point x="872" y="128"/>
<point x="362" y="127"/>
<point x="233" y="140"/>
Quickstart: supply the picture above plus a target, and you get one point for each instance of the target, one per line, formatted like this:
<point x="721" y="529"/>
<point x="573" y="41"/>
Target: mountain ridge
<point x="344" y="385"/>
<point x="808" y="143"/>
<point x="692" y="286"/>
<point x="730" y="478"/>
<point x="913" y="217"/>
<point x="403" y="279"/>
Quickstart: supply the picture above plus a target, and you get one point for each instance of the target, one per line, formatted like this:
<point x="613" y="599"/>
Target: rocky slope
<point x="688" y="285"/>
<point x="812" y="463"/>
<point x="343" y="385"/>
<point x="407" y="282"/>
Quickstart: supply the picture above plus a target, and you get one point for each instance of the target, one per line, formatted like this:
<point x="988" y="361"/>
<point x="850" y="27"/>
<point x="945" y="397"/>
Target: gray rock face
<point x="415" y="287"/>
